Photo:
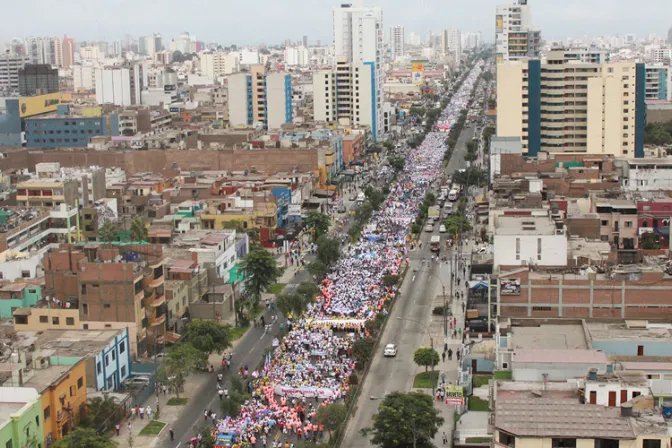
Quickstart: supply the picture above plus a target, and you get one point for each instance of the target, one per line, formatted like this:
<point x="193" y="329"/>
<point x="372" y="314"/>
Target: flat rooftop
<point x="548" y="415"/>
<point x="622" y="331"/>
<point x="524" y="225"/>
<point x="560" y="356"/>
<point x="70" y="343"/>
<point x="44" y="378"/>
<point x="549" y="337"/>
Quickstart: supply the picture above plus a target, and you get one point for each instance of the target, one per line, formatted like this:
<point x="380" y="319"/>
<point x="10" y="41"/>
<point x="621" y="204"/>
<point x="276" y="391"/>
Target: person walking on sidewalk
<point x="117" y="429"/>
<point x="445" y="438"/>
<point x="172" y="434"/>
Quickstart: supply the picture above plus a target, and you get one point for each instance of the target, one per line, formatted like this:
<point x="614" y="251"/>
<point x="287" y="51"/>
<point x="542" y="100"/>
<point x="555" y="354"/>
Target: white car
<point x="429" y="228"/>
<point x="442" y="228"/>
<point x="137" y="381"/>
<point x="390" y="350"/>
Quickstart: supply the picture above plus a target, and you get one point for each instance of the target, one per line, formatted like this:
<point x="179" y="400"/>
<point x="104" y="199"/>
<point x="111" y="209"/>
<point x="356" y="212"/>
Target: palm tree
<point x="98" y="412"/>
<point x="139" y="229"/>
<point x="108" y="233"/>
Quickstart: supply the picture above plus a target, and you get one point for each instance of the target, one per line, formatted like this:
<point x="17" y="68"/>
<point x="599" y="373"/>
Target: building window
<point x="605" y="222"/>
<point x="25" y="274"/>
<point x="123" y="371"/>
<point x="627" y="224"/>
<point x="114" y="356"/>
<point x="85" y="326"/>
<point x="517" y="248"/>
<point x="99" y="368"/>
<point x="106" y="305"/>
<point x="8" y="444"/>
<point x="80" y="382"/>
<point x="85" y="308"/>
<point x="44" y="319"/>
<point x="651" y="443"/>
<point x="69" y="321"/>
<point x="47" y="413"/>
<point x="507" y="439"/>
<point x="563" y="443"/>
<point x="122" y="347"/>
<point x="107" y="361"/>
<point x="55" y="320"/>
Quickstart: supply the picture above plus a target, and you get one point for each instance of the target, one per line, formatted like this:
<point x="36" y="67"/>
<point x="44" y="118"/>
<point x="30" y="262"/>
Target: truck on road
<point x="435" y="243"/>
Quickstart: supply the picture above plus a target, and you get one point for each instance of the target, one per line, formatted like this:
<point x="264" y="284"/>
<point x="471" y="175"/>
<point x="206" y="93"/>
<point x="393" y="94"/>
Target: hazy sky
<point x="272" y="21"/>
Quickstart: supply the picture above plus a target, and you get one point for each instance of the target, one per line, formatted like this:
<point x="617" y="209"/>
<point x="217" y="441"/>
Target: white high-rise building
<point x="397" y="41"/>
<point x="414" y="39"/>
<point x="515" y="37"/>
<point x="358" y="37"/>
<point x="84" y="76"/>
<point x="9" y="71"/>
<point x="38" y="50"/>
<point x="343" y="95"/>
<point x="297" y="56"/>
<point x="214" y="64"/>
<point x="120" y="85"/>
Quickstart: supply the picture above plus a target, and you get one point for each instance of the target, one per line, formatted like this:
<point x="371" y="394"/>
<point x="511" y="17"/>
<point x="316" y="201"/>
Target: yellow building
<point x="563" y="105"/>
<point x="63" y="394"/>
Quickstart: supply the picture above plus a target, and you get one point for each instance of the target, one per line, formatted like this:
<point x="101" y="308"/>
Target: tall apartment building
<point x="260" y="97"/>
<point x="214" y="64"/>
<point x="9" y="71"/>
<point x="562" y="105"/>
<point x="658" y="82"/>
<point x="358" y="37"/>
<point x="343" y="95"/>
<point x="84" y="76"/>
<point x="119" y="85"/>
<point x="662" y="55"/>
<point x="39" y="50"/>
<point x="68" y="48"/>
<point x="515" y="37"/>
<point x="37" y="79"/>
<point x="592" y="55"/>
<point x="297" y="56"/>
<point x="397" y="41"/>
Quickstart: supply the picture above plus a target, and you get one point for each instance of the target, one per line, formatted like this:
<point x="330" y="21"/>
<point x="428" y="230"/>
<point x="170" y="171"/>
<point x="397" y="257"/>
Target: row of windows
<point x="58" y="140"/>
<point x="82" y="131"/>
<point x="47" y="123"/>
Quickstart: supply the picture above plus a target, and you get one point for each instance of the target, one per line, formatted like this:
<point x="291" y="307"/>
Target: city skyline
<point x="275" y="21"/>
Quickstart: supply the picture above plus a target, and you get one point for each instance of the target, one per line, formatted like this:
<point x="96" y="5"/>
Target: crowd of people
<point x="311" y="366"/>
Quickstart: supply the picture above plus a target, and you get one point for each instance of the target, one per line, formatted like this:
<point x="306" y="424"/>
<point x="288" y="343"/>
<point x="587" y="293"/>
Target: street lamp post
<point x="431" y="345"/>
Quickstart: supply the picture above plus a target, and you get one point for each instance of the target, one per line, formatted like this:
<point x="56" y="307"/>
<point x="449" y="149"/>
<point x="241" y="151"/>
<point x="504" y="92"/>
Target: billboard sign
<point x="509" y="286"/>
<point x="39" y="104"/>
<point x="417" y="72"/>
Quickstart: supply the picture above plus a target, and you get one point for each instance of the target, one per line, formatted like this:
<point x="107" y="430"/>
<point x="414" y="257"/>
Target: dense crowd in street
<point x="310" y="367"/>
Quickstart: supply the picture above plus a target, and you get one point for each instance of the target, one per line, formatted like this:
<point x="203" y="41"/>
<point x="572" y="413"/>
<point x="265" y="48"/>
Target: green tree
<point x="207" y="437"/>
<point x="472" y="176"/>
<point x="426" y="357"/>
<point x="178" y="56"/>
<point x="318" y="269"/>
<point x="318" y="223"/>
<point x="261" y="271"/>
<point x="362" y="349"/>
<point x="328" y="250"/>
<point x="332" y="417"/>
<point x="108" y="233"/>
<point x="308" y="290"/>
<point x="234" y="224"/>
<point x="84" y="438"/>
<point x="405" y="420"/>
<point x="291" y="304"/>
<point x="649" y="241"/>
<point x="208" y="336"/>
<point x="374" y="196"/>
<point x="455" y="223"/>
<point x="139" y="229"/>
<point x="470" y="156"/>
<point x="396" y="162"/>
<point x="98" y="412"/>
<point x="182" y="360"/>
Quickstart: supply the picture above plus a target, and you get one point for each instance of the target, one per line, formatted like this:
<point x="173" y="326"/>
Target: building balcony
<point x="156" y="321"/>
<point x="155" y="283"/>
<point x="158" y="301"/>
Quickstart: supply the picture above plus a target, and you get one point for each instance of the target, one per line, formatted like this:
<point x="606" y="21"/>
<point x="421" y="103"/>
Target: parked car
<point x="341" y="209"/>
<point x="390" y="350"/>
<point x="442" y="228"/>
<point x="137" y="381"/>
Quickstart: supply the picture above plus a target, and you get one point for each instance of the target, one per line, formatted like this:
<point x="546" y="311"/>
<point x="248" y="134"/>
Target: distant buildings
<point x="397" y="41"/>
<point x="297" y="56"/>
<point x="215" y="64"/>
<point x="560" y="105"/>
<point x="515" y="37"/>
<point x="9" y="71"/>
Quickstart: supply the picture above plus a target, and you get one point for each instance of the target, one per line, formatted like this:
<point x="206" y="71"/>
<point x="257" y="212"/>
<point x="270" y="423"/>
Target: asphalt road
<point x="420" y="286"/>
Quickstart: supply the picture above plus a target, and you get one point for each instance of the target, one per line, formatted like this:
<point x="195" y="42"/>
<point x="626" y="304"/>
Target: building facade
<point x="258" y="97"/>
<point x="120" y="86"/>
<point x="658" y="82"/>
<point x="37" y="79"/>
<point x="515" y="37"/>
<point x="397" y="41"/>
<point x="358" y="37"/>
<point x="68" y="131"/>
<point x="21" y="422"/>
<point x="560" y="105"/>
<point x="214" y="64"/>
<point x="10" y="66"/>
